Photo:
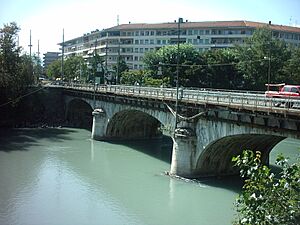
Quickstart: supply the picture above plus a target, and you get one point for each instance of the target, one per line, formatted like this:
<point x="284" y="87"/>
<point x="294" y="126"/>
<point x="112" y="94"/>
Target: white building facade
<point x="132" y="41"/>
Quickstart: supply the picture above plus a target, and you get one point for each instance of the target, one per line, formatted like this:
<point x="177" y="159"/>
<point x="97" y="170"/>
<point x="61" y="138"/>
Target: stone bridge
<point x="210" y="128"/>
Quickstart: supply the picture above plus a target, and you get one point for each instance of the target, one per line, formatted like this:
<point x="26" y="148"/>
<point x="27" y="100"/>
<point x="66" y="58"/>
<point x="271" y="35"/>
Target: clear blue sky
<point x="47" y="18"/>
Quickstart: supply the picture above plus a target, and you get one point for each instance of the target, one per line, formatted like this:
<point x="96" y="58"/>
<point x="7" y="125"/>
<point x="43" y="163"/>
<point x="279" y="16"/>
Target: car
<point x="287" y="92"/>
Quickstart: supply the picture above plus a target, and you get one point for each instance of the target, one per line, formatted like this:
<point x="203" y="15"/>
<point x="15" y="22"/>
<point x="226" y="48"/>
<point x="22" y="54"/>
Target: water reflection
<point x="63" y="177"/>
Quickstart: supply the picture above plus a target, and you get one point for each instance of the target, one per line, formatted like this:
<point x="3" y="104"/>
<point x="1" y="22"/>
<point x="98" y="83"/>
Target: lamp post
<point x="95" y="72"/>
<point x="269" y="58"/>
<point x="180" y="20"/>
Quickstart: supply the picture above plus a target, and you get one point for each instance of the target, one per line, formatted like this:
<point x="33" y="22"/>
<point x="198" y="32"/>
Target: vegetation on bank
<point x="267" y="199"/>
<point x="16" y="69"/>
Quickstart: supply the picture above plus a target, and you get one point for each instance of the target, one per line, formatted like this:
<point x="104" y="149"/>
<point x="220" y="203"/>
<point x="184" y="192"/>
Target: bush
<point x="265" y="198"/>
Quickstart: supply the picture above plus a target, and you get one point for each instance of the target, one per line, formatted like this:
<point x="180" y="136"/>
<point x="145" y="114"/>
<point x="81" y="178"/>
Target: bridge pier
<point x="99" y="124"/>
<point x="184" y="152"/>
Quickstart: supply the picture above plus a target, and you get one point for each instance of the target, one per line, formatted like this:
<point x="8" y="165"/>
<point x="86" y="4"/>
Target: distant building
<point x="50" y="57"/>
<point x="131" y="41"/>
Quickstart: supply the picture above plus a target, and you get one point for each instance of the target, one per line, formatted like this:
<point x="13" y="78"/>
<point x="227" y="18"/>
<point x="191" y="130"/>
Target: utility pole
<point x="118" y="59"/>
<point x="180" y="20"/>
<point x="38" y="61"/>
<point x="30" y="45"/>
<point x="269" y="57"/>
<point x="106" y="56"/>
<point x="62" y="55"/>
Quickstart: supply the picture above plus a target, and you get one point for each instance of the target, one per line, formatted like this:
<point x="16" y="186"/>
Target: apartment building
<point x="132" y="41"/>
<point x="50" y="57"/>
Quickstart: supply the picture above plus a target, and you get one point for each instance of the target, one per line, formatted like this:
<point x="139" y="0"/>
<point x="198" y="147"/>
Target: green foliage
<point x="54" y="70"/>
<point x="119" y="69"/>
<point x="134" y="77"/>
<point x="221" y="70"/>
<point x="266" y="199"/>
<point x="16" y="71"/>
<point x="73" y="66"/>
<point x="74" y="69"/>
<point x="254" y="59"/>
<point x="291" y="68"/>
<point x="191" y="73"/>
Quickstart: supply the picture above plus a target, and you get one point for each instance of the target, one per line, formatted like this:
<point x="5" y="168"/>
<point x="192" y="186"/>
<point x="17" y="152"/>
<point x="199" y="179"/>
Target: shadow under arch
<point x="79" y="114"/>
<point x="216" y="159"/>
<point x="133" y="124"/>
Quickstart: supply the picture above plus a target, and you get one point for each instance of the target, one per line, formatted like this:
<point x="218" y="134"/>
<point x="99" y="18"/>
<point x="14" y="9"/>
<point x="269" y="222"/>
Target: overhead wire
<point x="20" y="97"/>
<point x="208" y="65"/>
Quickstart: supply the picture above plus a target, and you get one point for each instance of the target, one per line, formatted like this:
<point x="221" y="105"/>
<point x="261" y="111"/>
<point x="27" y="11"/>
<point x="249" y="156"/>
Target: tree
<point x="54" y="70"/>
<point x="221" y="70"/>
<point x="254" y="59"/>
<point x="73" y="66"/>
<point x="291" y="68"/>
<point x="16" y="72"/>
<point x="119" y="69"/>
<point x="134" y="77"/>
<point x="267" y="199"/>
<point x="191" y="71"/>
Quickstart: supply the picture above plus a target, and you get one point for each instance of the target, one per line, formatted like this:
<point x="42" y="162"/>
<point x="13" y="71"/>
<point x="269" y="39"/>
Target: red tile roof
<point x="208" y="24"/>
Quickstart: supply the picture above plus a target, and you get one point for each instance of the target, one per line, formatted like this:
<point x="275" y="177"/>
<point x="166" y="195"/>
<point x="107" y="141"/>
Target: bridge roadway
<point x="228" y="122"/>
<point x="242" y="100"/>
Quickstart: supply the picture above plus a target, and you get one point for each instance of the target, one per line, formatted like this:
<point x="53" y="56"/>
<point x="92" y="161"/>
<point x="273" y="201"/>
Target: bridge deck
<point x="250" y="101"/>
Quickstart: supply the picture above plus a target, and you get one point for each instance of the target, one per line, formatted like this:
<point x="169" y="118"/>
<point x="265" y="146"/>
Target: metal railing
<point x="239" y="99"/>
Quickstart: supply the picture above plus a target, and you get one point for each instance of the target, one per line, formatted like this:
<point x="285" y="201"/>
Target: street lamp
<point x="269" y="58"/>
<point x="180" y="20"/>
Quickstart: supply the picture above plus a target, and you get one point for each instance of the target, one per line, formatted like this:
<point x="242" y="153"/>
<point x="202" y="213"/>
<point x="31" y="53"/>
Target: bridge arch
<point x="133" y="124"/>
<point x="79" y="113"/>
<point x="216" y="158"/>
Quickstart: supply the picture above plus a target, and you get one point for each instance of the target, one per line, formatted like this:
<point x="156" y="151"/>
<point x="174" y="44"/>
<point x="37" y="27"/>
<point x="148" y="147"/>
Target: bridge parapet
<point x="241" y="100"/>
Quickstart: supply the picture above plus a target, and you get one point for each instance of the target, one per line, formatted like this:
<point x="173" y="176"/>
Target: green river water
<point x="62" y="177"/>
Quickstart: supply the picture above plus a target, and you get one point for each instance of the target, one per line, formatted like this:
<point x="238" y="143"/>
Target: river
<point x="61" y="176"/>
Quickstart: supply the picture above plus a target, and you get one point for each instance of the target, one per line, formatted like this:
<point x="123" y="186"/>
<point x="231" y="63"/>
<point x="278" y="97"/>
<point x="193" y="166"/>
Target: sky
<point x="47" y="18"/>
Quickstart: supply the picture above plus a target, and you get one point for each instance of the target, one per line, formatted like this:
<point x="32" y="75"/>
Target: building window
<point x="136" y="42"/>
<point x="158" y="42"/>
<point x="151" y="42"/>
<point x="141" y="42"/>
<point x="146" y="42"/>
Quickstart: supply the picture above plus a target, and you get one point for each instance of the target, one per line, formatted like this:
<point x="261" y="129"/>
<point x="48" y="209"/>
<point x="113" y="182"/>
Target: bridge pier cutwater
<point x="184" y="152"/>
<point x="99" y="124"/>
<point x="202" y="145"/>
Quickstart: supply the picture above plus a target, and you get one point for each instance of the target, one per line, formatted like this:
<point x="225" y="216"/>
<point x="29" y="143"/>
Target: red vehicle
<point x="288" y="92"/>
<point x="284" y="91"/>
